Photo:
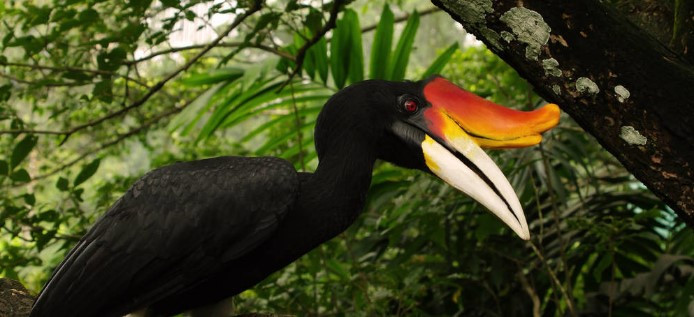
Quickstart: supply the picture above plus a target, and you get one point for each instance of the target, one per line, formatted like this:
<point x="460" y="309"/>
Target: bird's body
<point x="190" y="262"/>
<point x="194" y="233"/>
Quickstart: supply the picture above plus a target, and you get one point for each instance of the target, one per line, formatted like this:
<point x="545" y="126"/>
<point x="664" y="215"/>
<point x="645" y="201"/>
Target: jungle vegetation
<point x="93" y="94"/>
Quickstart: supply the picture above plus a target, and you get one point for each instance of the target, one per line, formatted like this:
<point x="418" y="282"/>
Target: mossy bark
<point x="15" y="300"/>
<point x="645" y="84"/>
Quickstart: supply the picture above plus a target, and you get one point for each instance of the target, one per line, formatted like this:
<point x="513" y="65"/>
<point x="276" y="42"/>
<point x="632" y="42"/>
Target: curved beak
<point x="458" y="124"/>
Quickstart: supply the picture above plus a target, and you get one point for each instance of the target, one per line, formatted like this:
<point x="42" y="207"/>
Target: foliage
<point x="601" y="242"/>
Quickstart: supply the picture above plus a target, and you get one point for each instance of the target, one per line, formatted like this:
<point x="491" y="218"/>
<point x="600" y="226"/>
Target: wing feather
<point x="174" y="226"/>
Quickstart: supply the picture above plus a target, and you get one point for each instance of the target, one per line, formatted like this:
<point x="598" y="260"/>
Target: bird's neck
<point x="336" y="193"/>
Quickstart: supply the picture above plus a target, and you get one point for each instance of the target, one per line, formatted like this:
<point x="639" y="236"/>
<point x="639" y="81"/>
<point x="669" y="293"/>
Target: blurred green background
<point x="73" y="139"/>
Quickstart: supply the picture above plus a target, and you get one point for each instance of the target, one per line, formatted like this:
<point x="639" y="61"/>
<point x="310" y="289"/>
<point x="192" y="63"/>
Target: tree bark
<point x="630" y="91"/>
<point x="15" y="300"/>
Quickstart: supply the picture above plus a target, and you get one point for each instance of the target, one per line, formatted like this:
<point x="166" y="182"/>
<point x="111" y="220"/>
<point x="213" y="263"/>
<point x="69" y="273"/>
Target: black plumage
<point x="153" y="241"/>
<point x="194" y="233"/>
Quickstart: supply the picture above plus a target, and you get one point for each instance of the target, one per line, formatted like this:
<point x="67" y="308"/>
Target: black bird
<point x="194" y="233"/>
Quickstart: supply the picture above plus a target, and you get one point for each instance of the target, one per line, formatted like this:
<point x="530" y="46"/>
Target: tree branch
<point x="402" y="18"/>
<point x="135" y="131"/>
<point x="199" y="46"/>
<point x="265" y="47"/>
<point x="15" y="299"/>
<point x="629" y="91"/>
<point x="158" y="86"/>
<point x="73" y="69"/>
<point x="301" y="53"/>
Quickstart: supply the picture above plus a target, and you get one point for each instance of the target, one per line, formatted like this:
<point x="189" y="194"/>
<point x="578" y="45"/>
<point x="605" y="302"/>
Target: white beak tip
<point x="524" y="235"/>
<point x="520" y="229"/>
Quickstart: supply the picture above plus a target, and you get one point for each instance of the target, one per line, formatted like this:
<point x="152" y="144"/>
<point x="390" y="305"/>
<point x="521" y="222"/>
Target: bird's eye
<point x="410" y="105"/>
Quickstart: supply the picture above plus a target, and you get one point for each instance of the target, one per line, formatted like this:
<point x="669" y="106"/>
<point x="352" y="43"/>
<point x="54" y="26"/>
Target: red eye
<point x="410" y="105"/>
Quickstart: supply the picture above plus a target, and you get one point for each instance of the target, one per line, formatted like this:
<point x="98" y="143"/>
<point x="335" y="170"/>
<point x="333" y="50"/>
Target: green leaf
<point x="380" y="49"/>
<point x="398" y="64"/>
<point x="219" y="75"/>
<point x="340" y="269"/>
<point x="239" y="100"/>
<point x="271" y="18"/>
<point x="290" y="116"/>
<point x="76" y="75"/>
<point x="88" y="16"/>
<point x="190" y="15"/>
<point x="111" y="61"/>
<point x="274" y="143"/>
<point x="139" y="6"/>
<point x="22" y="149"/>
<point x="4" y="168"/>
<point x="320" y="55"/>
<point x="30" y="43"/>
<point x="131" y="33"/>
<point x="86" y="172"/>
<point x="313" y="21"/>
<point x="5" y="92"/>
<point x="440" y="62"/>
<point x="262" y="102"/>
<point x="309" y="60"/>
<point x="356" y="54"/>
<point x="339" y="51"/>
<point x="37" y="15"/>
<point x="62" y="184"/>
<point x="191" y="115"/>
<point x="42" y="237"/>
<point x="20" y="176"/>
<point x="171" y="3"/>
<point x="63" y="14"/>
<point x="600" y="267"/>
<point x="103" y="90"/>
<point x="292" y="5"/>
<point x="30" y="199"/>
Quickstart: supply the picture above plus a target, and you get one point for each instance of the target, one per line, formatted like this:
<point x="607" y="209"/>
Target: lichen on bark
<point x="632" y="136"/>
<point x="528" y="27"/>
<point x="585" y="85"/>
<point x="551" y="67"/>
<point x="470" y="11"/>
<point x="622" y="93"/>
<point x="507" y="36"/>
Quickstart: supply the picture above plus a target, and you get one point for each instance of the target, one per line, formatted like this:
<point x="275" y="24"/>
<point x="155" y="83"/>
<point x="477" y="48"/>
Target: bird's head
<point x="436" y="126"/>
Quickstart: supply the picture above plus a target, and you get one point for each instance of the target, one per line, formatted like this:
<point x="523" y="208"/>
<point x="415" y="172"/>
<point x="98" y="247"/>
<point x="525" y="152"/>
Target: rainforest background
<point x="93" y="94"/>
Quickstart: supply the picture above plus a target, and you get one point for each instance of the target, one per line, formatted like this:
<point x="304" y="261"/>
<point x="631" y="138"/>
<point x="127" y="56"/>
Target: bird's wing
<point x="173" y="227"/>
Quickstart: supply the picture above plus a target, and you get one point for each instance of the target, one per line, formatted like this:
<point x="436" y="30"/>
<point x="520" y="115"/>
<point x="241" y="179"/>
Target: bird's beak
<point x="458" y="124"/>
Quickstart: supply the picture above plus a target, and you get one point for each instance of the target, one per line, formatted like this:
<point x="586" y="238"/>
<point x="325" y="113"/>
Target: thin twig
<point x="266" y="48"/>
<point x="135" y="131"/>
<point x="402" y="18"/>
<point x="59" y="69"/>
<point x="15" y="79"/>
<point x="553" y="276"/>
<point x="557" y="224"/>
<point x="531" y="292"/>
<point x="301" y="53"/>
<point x="75" y="69"/>
<point x="226" y="44"/>
<point x="158" y="86"/>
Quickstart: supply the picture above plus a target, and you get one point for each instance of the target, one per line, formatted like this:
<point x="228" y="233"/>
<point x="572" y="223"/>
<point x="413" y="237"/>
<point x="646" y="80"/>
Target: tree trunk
<point x="632" y="92"/>
<point x="15" y="300"/>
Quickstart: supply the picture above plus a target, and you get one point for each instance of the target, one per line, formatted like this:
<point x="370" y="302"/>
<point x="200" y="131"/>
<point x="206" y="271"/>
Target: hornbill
<point x="194" y="233"/>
